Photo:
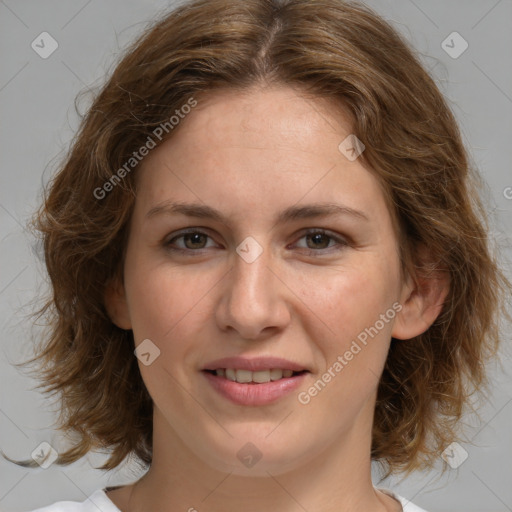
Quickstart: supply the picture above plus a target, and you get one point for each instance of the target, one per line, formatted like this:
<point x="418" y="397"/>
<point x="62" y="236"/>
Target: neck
<point x="335" y="479"/>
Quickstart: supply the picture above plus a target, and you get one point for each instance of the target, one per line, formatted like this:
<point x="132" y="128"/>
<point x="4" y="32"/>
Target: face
<point x="268" y="276"/>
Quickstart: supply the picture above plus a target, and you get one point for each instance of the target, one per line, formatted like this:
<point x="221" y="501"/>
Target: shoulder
<point x="97" y="500"/>
<point x="407" y="505"/>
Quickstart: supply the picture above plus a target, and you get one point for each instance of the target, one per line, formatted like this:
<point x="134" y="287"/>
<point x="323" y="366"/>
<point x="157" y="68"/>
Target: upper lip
<point x="254" y="364"/>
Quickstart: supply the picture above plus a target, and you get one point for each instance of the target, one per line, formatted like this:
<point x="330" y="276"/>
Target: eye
<point x="192" y="240"/>
<point x="318" y="240"/>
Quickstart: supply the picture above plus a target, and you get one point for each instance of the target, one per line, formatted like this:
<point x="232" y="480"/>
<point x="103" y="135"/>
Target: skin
<point x="251" y="155"/>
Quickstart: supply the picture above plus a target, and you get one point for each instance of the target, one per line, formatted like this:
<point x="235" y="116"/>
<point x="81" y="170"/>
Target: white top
<point x="98" y="501"/>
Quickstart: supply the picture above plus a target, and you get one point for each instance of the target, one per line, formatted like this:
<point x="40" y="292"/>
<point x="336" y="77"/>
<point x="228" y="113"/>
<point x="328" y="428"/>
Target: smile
<point x="259" y="377"/>
<point x="258" y="388"/>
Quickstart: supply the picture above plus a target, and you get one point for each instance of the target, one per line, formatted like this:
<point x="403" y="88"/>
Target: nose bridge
<point x="251" y="278"/>
<point x="252" y="300"/>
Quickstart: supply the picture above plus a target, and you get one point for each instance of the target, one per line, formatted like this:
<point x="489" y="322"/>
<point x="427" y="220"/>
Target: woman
<point x="269" y="264"/>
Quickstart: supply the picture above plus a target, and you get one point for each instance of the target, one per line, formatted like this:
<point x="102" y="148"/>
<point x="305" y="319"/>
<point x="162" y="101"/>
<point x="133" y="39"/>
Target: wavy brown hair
<point x="331" y="49"/>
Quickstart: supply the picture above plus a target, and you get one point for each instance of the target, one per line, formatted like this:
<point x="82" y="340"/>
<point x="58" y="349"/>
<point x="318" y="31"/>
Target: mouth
<point x="254" y="381"/>
<point x="243" y="376"/>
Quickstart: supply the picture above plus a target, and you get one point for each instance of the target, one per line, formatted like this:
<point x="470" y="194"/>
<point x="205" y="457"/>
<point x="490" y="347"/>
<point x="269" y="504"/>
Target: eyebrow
<point x="308" y="211"/>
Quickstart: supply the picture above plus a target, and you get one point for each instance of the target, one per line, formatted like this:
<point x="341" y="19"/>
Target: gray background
<point x="38" y="120"/>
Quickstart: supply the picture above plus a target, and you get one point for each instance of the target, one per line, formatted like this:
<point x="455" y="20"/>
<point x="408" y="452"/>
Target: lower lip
<point x="254" y="394"/>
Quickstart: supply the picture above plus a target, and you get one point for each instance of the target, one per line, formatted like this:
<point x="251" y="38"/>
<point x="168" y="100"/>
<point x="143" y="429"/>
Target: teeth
<point x="276" y="374"/>
<point x="246" y="376"/>
<point x="243" y="376"/>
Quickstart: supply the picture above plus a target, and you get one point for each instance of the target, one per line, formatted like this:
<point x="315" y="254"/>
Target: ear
<point x="422" y="300"/>
<point x="116" y="304"/>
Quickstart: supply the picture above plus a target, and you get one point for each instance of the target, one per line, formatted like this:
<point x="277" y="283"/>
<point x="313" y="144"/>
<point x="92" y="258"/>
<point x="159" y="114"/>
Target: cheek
<point x="351" y="299"/>
<point x="165" y="302"/>
<point x="351" y="305"/>
<point x="349" y="360"/>
<point x="170" y="309"/>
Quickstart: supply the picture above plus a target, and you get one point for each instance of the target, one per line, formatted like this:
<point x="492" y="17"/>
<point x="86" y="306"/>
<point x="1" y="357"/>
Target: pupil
<point x="317" y="237"/>
<point x="195" y="237"/>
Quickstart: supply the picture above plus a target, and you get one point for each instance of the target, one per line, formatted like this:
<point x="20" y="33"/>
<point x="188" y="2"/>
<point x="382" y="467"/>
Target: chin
<point x="254" y="455"/>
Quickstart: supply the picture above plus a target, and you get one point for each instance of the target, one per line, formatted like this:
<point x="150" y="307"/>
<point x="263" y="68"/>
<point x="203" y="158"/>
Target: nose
<point x="254" y="299"/>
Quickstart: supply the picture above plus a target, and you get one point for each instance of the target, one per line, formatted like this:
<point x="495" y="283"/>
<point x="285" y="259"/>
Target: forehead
<point x="262" y="113"/>
<point x="259" y="149"/>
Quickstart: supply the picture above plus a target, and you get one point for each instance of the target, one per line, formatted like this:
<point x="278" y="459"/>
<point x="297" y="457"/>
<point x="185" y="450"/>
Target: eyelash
<point x="310" y="252"/>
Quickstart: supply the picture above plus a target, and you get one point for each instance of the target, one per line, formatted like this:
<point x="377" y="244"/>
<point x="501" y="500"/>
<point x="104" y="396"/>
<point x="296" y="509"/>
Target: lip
<point x="252" y="393"/>
<point x="255" y="364"/>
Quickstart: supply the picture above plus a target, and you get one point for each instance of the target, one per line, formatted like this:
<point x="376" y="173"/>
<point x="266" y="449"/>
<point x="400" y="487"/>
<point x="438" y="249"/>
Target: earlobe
<point x="422" y="303"/>
<point x="116" y="305"/>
